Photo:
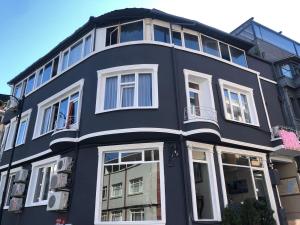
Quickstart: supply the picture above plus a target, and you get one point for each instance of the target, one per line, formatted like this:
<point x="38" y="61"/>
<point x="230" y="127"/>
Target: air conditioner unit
<point x="18" y="190"/>
<point x="15" y="204"/>
<point x="58" y="201"/>
<point x="64" y="165"/>
<point x="21" y="176"/>
<point x="59" y="181"/>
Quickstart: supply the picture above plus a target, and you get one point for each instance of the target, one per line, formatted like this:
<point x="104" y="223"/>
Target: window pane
<point x="39" y="78"/>
<point x="202" y="188"/>
<point x="73" y="112"/>
<point x="161" y="34"/>
<point x="145" y="89"/>
<point x="191" y="41"/>
<point x="62" y="113"/>
<point x="30" y="84"/>
<point x="9" y="189"/>
<point x="55" y="67"/>
<point x="198" y="155"/>
<point x="111" y="89"/>
<point x="239" y="185"/>
<point x="245" y="108"/>
<point x="224" y="51"/>
<point x="47" y="72"/>
<point x="54" y="114"/>
<point x="238" y="56"/>
<point x="256" y="161"/>
<point x="21" y="132"/>
<point x="46" y="183"/>
<point x="111" y="36"/>
<point x="230" y="158"/>
<point x="111" y="157"/>
<point x="132" y="32"/>
<point x="176" y="38"/>
<point x="18" y="91"/>
<point x="46" y="120"/>
<point x="139" y="178"/>
<point x="38" y="186"/>
<point x="210" y="46"/>
<point x="237" y="113"/>
<point x="87" y="45"/>
<point x="286" y="70"/>
<point x="75" y="53"/>
<point x="194" y="103"/>
<point x="137" y="214"/>
<point x="131" y="156"/>
<point x="261" y="187"/>
<point x="127" y="96"/>
<point x="227" y="104"/>
<point x="65" y="61"/>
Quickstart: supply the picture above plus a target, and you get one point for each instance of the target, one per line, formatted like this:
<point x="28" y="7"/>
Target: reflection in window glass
<point x="75" y="53"/>
<point x="132" y="32"/>
<point x="64" y="64"/>
<point x="18" y="91"/>
<point x="286" y="70"/>
<point x="235" y="159"/>
<point x="161" y="34"/>
<point x="62" y="113"/>
<point x="47" y="72"/>
<point x="176" y="38"/>
<point x="224" y="51"/>
<point x="128" y="179"/>
<point x="261" y="186"/>
<point x="30" y="84"/>
<point x="46" y="120"/>
<point x="238" y="56"/>
<point x="191" y="41"/>
<point x="87" y="45"/>
<point x="210" y="46"/>
<point x="21" y="132"/>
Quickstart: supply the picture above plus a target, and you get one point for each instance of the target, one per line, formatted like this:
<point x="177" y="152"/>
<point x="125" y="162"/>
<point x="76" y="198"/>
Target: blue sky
<point x="31" y="28"/>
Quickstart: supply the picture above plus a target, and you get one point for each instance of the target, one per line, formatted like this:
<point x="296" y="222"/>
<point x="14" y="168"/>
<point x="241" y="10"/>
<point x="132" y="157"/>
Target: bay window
<point x="191" y="41"/>
<point x="176" y="38"/>
<point x="238" y="103"/>
<point x="238" y="56"/>
<point x="135" y="175"/>
<point x="210" y="46"/>
<point x="127" y="87"/>
<point x="161" y="34"/>
<point x="61" y="111"/>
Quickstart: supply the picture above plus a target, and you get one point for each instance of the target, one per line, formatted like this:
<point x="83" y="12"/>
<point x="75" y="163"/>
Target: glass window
<point x="47" y="72"/>
<point x="18" y="91"/>
<point x="73" y="109"/>
<point x="30" y="84"/>
<point x="22" y="132"/>
<point x="210" y="46"/>
<point x="112" y="35"/>
<point x="62" y="113"/>
<point x="55" y="67"/>
<point x="243" y="179"/>
<point x="161" y="34"/>
<point x="87" y="45"/>
<point x="130" y="177"/>
<point x="4" y="137"/>
<point x="224" y="51"/>
<point x="64" y="64"/>
<point x="124" y="95"/>
<point x="191" y="41"/>
<point x="132" y="32"/>
<point x="39" y="78"/>
<point x="238" y="56"/>
<point x="176" y="38"/>
<point x="11" y="180"/>
<point x="286" y="70"/>
<point x="75" y="53"/>
<point x="194" y="98"/>
<point x="46" y="120"/>
<point x="203" y="187"/>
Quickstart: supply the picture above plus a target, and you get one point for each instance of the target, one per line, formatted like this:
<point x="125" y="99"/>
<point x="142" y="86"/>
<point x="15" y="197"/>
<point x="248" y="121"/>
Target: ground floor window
<point x="134" y="174"/>
<point x="203" y="178"/>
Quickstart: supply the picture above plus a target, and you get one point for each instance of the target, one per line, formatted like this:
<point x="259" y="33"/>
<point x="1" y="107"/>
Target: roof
<point x="293" y="58"/>
<point x="128" y="14"/>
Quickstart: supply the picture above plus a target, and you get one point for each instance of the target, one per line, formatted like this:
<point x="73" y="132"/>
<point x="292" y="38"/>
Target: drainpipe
<point x="182" y="143"/>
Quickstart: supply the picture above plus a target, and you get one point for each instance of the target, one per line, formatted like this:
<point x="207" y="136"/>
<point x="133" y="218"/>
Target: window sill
<point x="133" y="194"/>
<point x="243" y="123"/>
<point x="128" y="108"/>
<point x="201" y="120"/>
<point x="116" y="197"/>
<point x="37" y="204"/>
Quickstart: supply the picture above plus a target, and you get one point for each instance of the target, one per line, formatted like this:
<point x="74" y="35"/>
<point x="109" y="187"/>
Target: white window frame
<point x="13" y="129"/>
<point x="208" y="150"/>
<point x="120" y="189"/>
<point x="118" y="71"/>
<point x="141" y="212"/>
<point x="129" y="147"/>
<point x="165" y="25"/>
<point x="67" y="92"/>
<point x="248" y="92"/>
<point x="2" y="182"/>
<point x="264" y="168"/>
<point x="141" y="186"/>
<point x="68" y="50"/>
<point x="210" y="94"/>
<point x="33" y="180"/>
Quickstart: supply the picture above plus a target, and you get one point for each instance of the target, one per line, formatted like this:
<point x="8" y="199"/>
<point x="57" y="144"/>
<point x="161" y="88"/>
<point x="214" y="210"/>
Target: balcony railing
<point x="200" y="113"/>
<point x="64" y="122"/>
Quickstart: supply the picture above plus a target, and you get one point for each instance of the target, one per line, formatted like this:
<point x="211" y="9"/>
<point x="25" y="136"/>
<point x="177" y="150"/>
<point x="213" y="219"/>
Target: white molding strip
<point x="27" y="158"/>
<point x="268" y="80"/>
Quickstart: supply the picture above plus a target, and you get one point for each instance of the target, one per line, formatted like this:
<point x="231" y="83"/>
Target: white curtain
<point x="111" y="87"/>
<point x="145" y="89"/>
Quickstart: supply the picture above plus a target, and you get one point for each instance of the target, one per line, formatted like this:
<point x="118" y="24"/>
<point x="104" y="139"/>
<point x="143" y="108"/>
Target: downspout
<point x="182" y="143"/>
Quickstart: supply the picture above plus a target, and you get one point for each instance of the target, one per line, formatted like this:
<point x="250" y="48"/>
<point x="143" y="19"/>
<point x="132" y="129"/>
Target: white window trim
<point x="208" y="77"/>
<point x="221" y="149"/>
<point x="98" y="201"/>
<point x="208" y="149"/>
<point x="24" y="116"/>
<point x="12" y="172"/>
<point x="72" y="89"/>
<point x="130" y="191"/>
<point x="33" y="179"/>
<point x="250" y="97"/>
<point x="114" y="71"/>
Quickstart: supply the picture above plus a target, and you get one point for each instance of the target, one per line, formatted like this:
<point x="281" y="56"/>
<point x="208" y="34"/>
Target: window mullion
<point x="136" y="87"/>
